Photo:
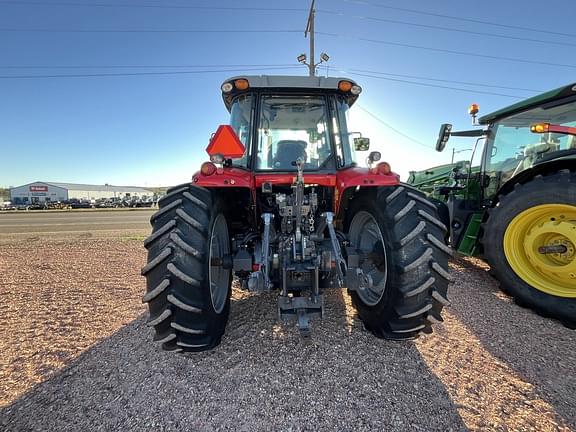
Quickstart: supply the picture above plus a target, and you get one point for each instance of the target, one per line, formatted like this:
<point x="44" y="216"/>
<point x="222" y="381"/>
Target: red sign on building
<point x="38" y="188"/>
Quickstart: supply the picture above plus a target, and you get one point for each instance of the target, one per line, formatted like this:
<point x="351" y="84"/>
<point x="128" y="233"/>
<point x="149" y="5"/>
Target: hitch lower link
<point x="305" y="308"/>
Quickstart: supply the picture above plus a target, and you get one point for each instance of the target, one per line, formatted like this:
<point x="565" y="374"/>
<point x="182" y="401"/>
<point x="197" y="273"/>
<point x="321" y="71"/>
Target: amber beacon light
<point x="540" y="128"/>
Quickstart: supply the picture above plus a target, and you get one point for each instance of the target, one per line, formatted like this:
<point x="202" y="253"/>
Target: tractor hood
<point x="568" y="91"/>
<point x="291" y="84"/>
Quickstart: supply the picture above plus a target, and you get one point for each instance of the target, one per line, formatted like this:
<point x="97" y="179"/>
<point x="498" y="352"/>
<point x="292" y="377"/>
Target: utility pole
<point x="454" y="151"/>
<point x="310" y="29"/>
<point x="309" y="32"/>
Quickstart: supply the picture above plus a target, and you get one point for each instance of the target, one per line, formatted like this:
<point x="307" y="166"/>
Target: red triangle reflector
<point x="226" y="142"/>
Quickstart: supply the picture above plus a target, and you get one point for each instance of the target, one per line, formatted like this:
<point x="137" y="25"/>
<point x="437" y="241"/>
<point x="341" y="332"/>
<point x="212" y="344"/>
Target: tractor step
<point x="469" y="241"/>
<point x="301" y="309"/>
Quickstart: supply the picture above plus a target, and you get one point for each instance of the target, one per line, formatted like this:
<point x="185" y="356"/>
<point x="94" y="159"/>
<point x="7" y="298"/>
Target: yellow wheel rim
<point x="540" y="246"/>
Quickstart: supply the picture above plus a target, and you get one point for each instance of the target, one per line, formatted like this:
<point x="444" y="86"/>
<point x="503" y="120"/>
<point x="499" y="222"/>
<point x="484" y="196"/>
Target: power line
<point x="447" y="51"/>
<point x="389" y="126"/>
<point x="436" y="85"/>
<point x="446" y="80"/>
<point x="20" y="30"/>
<point x="263" y="66"/>
<point x="266" y="9"/>
<point x="244" y="66"/>
<point x="138" y="73"/>
<point x="137" y="6"/>
<point x="127" y="74"/>
<point x="448" y="29"/>
<point x="456" y="18"/>
<point x="289" y="65"/>
<point x="442" y="50"/>
<point x="249" y="67"/>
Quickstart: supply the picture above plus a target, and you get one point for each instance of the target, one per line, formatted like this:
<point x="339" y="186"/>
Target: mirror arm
<point x="470" y="133"/>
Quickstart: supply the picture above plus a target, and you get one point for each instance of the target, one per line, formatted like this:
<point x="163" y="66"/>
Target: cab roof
<point x="567" y="92"/>
<point x="289" y="83"/>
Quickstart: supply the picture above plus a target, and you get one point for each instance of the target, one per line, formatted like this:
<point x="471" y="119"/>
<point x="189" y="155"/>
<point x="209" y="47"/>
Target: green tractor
<point x="516" y="208"/>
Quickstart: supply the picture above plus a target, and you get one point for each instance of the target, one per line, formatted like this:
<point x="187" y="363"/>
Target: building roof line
<point x="88" y="187"/>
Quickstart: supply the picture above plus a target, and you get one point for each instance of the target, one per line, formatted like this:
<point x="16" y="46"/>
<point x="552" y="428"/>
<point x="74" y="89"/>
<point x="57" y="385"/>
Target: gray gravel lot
<point x="491" y="366"/>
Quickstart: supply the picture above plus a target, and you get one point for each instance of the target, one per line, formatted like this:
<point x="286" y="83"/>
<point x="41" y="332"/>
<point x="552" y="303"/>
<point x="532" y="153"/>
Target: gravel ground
<point x="75" y="355"/>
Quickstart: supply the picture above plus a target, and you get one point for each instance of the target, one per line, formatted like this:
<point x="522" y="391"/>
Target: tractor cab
<point x="279" y="119"/>
<point x="521" y="142"/>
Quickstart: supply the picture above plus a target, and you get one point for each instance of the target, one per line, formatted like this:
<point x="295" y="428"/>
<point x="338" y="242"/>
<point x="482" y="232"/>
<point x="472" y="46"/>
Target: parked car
<point x="7" y="205"/>
<point x="75" y="203"/>
<point x="35" y="206"/>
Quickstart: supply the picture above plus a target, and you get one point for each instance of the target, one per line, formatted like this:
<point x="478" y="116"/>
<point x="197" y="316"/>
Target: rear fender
<point x="357" y="178"/>
<point x="232" y="184"/>
<point x="238" y="203"/>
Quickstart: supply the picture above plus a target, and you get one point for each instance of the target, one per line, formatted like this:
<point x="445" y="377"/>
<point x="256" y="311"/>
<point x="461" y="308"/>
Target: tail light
<point x="241" y="84"/>
<point x="384" y="168"/>
<point x="208" y="168"/>
<point x="344" y="86"/>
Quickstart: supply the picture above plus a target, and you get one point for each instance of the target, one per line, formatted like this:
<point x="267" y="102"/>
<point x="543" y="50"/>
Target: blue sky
<point x="153" y="129"/>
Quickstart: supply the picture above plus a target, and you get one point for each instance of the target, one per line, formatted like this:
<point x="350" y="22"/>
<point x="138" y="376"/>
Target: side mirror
<point x="361" y="144"/>
<point x="443" y="136"/>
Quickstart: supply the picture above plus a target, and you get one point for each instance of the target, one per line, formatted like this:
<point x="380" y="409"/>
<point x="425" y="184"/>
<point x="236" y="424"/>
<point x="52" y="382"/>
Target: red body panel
<point x="342" y="180"/>
<point x="365" y="177"/>
<point x="225" y="177"/>
<point x="289" y="178"/>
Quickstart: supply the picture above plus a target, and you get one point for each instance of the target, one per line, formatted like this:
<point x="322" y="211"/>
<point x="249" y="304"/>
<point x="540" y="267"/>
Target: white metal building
<point x="50" y="191"/>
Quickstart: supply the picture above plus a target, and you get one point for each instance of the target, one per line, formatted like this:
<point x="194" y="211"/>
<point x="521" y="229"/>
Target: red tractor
<point x="282" y="205"/>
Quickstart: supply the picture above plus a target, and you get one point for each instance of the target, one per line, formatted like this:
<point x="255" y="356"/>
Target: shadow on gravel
<point x="541" y="351"/>
<point x="262" y="377"/>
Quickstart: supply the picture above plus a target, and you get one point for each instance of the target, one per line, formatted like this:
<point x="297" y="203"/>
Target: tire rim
<point x="218" y="276"/>
<point x="366" y="237"/>
<point x="544" y="226"/>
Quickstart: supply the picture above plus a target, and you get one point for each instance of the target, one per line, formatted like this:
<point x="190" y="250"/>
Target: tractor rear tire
<point x="536" y="214"/>
<point x="188" y="289"/>
<point x="401" y="230"/>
